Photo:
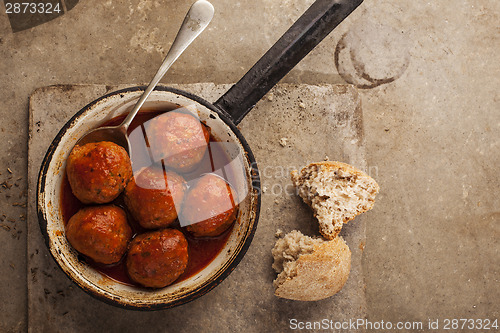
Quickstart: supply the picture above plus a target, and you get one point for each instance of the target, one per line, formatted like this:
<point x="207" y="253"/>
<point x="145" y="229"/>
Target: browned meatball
<point x="210" y="207"/>
<point x="153" y="196"/>
<point x="156" y="259"/>
<point x="100" y="232"/>
<point x="98" y="172"/>
<point x="180" y="139"/>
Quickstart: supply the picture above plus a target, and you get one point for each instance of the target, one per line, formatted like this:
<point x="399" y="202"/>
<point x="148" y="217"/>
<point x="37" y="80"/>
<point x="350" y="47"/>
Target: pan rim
<point x="210" y="284"/>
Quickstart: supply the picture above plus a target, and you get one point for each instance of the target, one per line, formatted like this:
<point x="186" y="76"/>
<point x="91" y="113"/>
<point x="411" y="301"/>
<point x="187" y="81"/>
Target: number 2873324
<point x="32" y="8"/>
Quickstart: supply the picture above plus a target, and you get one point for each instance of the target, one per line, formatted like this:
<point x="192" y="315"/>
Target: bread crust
<point x="320" y="274"/>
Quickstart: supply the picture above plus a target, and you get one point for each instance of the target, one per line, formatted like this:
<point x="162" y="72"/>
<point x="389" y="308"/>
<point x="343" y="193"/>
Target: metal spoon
<point x="198" y="17"/>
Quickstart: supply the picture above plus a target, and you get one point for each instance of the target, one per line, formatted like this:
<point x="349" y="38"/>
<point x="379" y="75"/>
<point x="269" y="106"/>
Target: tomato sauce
<point x="201" y="250"/>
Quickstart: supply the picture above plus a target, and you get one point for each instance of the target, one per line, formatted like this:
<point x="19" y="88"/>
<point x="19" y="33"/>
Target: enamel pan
<point x="222" y="117"/>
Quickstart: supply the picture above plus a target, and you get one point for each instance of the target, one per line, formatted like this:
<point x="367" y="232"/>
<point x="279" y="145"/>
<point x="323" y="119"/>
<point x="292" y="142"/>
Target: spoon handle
<point x="198" y="17"/>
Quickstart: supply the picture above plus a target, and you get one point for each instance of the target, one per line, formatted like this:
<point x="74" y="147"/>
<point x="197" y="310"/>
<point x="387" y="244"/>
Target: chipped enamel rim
<point x="51" y="221"/>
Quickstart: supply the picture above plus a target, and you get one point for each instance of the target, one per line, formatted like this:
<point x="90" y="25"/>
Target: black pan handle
<point x="307" y="32"/>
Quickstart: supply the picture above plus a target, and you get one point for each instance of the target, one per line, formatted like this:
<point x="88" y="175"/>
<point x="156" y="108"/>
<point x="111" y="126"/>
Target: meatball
<point x="98" y="171"/>
<point x="180" y="139"/>
<point x="210" y="207"/>
<point x="100" y="232"/>
<point x="153" y="196"/>
<point x="157" y="258"/>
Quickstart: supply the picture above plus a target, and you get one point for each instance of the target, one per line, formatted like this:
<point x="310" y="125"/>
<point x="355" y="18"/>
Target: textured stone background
<point x="429" y="73"/>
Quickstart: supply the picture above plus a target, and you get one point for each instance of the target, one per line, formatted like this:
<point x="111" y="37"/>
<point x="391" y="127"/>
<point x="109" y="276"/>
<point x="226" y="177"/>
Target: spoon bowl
<point x="116" y="134"/>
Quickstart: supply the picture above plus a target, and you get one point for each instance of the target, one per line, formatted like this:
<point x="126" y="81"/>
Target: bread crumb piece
<point x="264" y="189"/>
<point x="279" y="233"/>
<point x="270" y="97"/>
<point x="326" y="158"/>
<point x="302" y="105"/>
<point x="283" y="142"/>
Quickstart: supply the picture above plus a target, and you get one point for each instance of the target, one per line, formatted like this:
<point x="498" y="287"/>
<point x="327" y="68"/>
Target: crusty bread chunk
<point x="310" y="269"/>
<point x="336" y="192"/>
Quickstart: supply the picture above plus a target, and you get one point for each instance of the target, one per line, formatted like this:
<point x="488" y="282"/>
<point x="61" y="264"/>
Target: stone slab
<point x="291" y="126"/>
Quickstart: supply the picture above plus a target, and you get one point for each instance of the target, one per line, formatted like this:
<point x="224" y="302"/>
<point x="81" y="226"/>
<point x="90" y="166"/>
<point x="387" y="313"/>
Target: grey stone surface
<point x="244" y="301"/>
<point x="432" y="134"/>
